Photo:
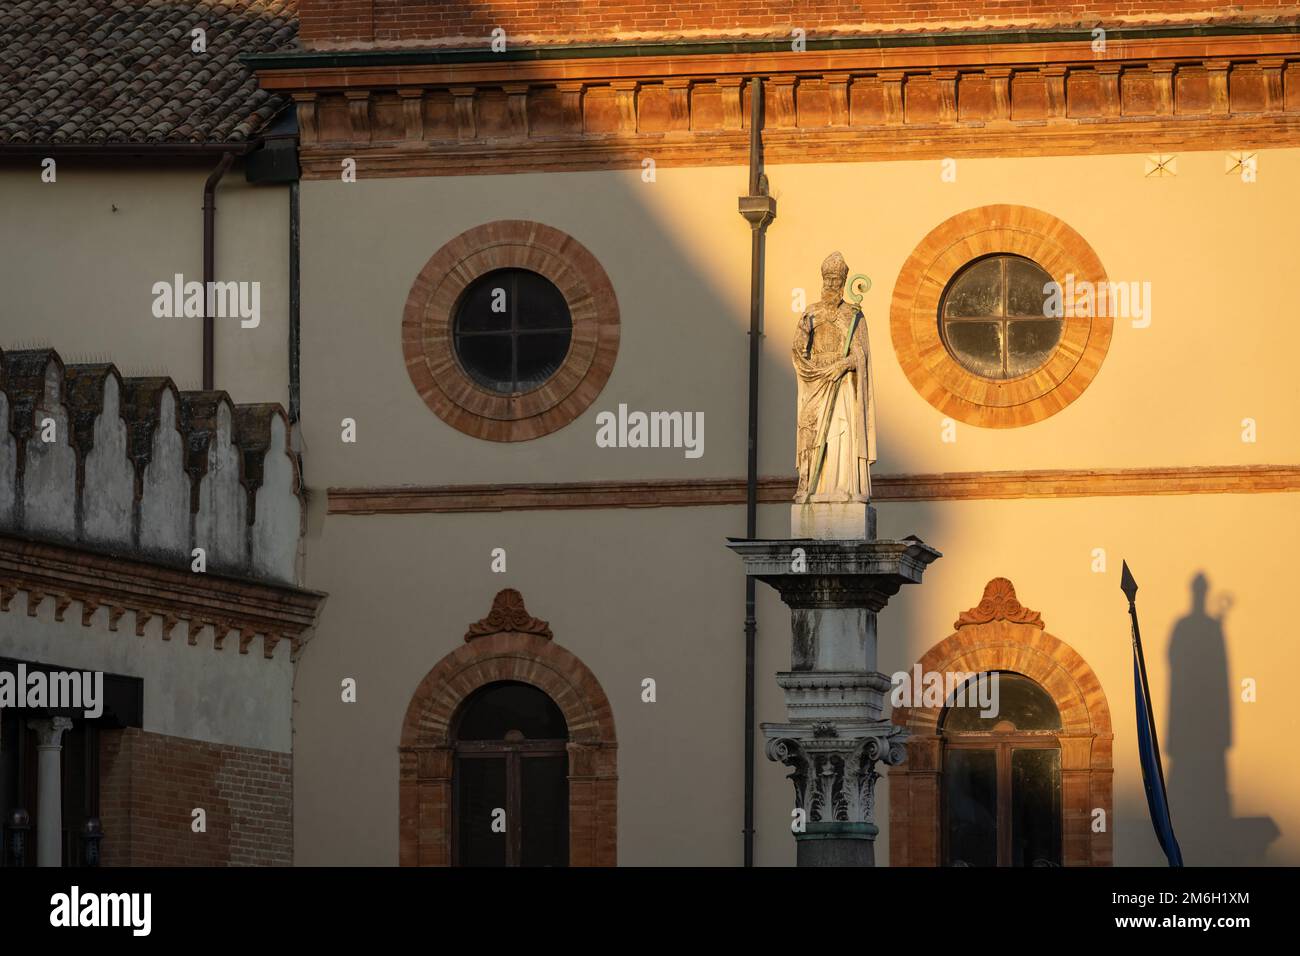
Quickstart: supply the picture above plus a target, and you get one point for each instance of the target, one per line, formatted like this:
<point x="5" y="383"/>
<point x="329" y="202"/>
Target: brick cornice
<point x="223" y="607"/>
<point x="706" y="492"/>
<point x="1029" y="99"/>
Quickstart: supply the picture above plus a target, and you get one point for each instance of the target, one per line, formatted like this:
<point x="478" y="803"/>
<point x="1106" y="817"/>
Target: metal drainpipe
<point x="209" y="263"/>
<point x="295" y="333"/>
<point x="759" y="209"/>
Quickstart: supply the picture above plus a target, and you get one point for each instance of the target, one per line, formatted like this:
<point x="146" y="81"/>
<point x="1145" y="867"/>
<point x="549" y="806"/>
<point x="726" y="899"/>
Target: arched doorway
<point x="1001" y="635"/>
<point x="1001" y="774"/>
<point x="513" y="648"/>
<point x="510" y="779"/>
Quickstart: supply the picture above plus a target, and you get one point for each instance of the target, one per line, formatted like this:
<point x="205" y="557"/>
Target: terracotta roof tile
<point x="121" y="71"/>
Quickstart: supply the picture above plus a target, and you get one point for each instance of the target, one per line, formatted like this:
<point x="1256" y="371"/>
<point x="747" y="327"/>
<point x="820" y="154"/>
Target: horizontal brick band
<point x="949" y="486"/>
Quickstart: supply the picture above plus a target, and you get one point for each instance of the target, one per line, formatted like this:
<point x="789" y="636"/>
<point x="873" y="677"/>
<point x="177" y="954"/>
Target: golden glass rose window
<point x="993" y="321"/>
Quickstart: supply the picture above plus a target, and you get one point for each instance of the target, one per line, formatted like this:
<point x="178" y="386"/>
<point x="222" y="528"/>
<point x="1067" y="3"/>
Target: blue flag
<point x="1153" y="778"/>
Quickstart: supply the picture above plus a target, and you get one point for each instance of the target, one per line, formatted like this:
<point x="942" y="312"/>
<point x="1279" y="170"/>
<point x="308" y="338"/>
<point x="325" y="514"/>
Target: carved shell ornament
<point x="999" y="604"/>
<point x="508" y="616"/>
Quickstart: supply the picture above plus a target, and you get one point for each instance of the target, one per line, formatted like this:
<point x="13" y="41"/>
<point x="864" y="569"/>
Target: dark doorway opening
<point x="510" y="779"/>
<point x="1002" y="777"/>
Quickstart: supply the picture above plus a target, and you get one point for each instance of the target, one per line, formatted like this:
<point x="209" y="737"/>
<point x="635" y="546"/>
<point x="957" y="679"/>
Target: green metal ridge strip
<point x="406" y="57"/>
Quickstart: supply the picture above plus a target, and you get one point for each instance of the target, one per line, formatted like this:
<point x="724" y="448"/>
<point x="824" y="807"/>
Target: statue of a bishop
<point x="836" y="438"/>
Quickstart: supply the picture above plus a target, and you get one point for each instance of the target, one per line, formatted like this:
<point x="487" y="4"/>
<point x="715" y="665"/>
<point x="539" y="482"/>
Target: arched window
<point x="510" y="779"/>
<point x="1001" y="773"/>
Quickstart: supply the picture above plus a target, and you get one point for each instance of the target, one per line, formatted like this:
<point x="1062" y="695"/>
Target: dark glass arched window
<point x="511" y="786"/>
<point x="494" y="711"/>
<point x="512" y="330"/>
<point x="1001" y="773"/>
<point x="994" y="318"/>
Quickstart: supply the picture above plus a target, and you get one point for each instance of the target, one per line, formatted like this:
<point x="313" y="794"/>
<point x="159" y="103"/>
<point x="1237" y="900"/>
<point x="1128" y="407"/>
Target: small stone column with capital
<point x="49" y="789"/>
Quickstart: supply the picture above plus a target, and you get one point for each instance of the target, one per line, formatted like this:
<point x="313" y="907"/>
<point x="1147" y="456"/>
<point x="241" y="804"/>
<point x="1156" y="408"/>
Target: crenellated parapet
<point x="137" y="467"/>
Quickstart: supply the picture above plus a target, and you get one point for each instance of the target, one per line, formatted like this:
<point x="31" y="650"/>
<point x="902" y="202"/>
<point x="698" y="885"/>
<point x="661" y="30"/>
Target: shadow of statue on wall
<point x="1198" y="738"/>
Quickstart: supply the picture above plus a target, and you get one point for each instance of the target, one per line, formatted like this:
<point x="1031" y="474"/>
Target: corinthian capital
<point x="786" y="750"/>
<point x="49" y="733"/>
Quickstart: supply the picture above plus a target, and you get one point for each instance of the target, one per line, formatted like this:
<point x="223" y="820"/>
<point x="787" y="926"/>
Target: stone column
<point x="49" y="790"/>
<point x="836" y="731"/>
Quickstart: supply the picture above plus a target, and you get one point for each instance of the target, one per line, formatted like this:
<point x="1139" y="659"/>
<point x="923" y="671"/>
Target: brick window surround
<point x="914" y="317"/>
<point x="1001" y="634"/>
<point x="428" y="319"/>
<point x="507" y="645"/>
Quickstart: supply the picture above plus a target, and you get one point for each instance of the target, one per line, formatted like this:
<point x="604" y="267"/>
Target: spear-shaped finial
<point x="1127" y="584"/>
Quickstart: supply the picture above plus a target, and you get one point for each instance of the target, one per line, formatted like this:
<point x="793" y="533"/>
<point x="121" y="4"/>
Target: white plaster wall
<point x="678" y="255"/>
<point x="199" y="693"/>
<point x="655" y="593"/>
<point x="78" y="273"/>
<point x="637" y="593"/>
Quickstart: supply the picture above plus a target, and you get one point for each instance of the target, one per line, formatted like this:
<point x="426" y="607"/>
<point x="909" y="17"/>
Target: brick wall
<point x="361" y="23"/>
<point x="151" y="783"/>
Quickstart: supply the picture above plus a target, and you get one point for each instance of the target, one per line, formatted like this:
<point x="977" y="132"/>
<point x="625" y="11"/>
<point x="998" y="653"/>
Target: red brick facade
<point x="392" y="22"/>
<point x="150" y="784"/>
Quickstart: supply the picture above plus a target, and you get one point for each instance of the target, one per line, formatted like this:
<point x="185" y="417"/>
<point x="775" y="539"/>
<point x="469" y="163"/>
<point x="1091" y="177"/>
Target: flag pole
<point x="1129" y="586"/>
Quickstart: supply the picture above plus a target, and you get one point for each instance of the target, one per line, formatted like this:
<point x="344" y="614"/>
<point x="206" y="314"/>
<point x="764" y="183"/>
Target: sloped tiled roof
<point x="122" y="71"/>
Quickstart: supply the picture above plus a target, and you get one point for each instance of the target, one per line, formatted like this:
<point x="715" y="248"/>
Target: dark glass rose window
<point x="512" y="330"/>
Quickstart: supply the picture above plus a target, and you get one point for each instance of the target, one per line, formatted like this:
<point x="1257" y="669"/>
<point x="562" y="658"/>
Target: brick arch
<point x="429" y="319"/>
<point x="1000" y="634"/>
<point x="507" y="646"/>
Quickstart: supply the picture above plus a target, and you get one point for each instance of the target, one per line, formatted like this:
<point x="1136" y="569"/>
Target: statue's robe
<point x="849" y="417"/>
